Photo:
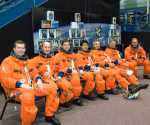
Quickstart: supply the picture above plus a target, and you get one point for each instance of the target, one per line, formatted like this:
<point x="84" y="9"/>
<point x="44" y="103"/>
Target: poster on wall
<point x="44" y="34"/>
<point x="77" y="17"/>
<point x="50" y="15"/>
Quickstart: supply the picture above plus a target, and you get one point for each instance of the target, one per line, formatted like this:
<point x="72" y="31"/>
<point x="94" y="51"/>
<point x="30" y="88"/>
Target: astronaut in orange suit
<point x="123" y="74"/>
<point x="19" y="78"/>
<point x="89" y="72"/>
<point x="99" y="57"/>
<point x="46" y="67"/>
<point x="66" y="70"/>
<point x="136" y="55"/>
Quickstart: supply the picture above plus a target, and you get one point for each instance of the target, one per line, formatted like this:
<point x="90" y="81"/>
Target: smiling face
<point x="46" y="47"/>
<point x="19" y="49"/>
<point x="85" y="46"/>
<point x="66" y="45"/>
<point x="96" y="45"/>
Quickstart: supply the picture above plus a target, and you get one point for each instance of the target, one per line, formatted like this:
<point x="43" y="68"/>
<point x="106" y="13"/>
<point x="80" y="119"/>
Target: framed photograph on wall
<point x="52" y="33"/>
<point x="74" y="33"/>
<point x="77" y="17"/>
<point x="45" y="24"/>
<point x="76" y="43"/>
<point x="71" y="33"/>
<point x="74" y="25"/>
<point x="55" y="44"/>
<point x="43" y="34"/>
<point x="50" y="15"/>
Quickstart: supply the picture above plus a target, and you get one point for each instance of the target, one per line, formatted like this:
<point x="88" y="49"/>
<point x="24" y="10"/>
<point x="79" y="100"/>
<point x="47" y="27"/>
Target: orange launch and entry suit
<point x="124" y="76"/>
<point x="89" y="73"/>
<point x="137" y="57"/>
<point x="99" y="57"/>
<point x="64" y="64"/>
<point x="46" y="68"/>
<point x="15" y="75"/>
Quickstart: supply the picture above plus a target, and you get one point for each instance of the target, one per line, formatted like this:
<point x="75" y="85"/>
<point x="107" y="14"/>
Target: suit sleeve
<point x="128" y="54"/>
<point x="143" y="53"/>
<point x="6" y="77"/>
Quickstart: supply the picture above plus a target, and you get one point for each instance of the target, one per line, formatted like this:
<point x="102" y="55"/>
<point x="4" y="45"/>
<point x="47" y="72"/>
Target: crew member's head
<point x="46" y="47"/>
<point x="134" y="43"/>
<point x="113" y="44"/>
<point x="96" y="45"/>
<point x="84" y="45"/>
<point x="65" y="45"/>
<point x="19" y="48"/>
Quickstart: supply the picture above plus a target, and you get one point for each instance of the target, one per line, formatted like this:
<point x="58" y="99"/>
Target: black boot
<point x="103" y="96"/>
<point x="91" y="96"/>
<point x="78" y="102"/>
<point x="112" y="91"/>
<point x="146" y="76"/>
<point x="138" y="88"/>
<point x="53" y="120"/>
<point x="66" y="105"/>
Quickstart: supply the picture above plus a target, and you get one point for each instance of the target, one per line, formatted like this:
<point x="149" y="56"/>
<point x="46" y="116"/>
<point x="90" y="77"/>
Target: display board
<point x="46" y="26"/>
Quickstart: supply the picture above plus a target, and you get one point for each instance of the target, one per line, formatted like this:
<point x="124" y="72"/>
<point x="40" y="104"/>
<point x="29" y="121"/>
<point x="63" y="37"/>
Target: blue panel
<point x="39" y="2"/>
<point x="13" y="9"/>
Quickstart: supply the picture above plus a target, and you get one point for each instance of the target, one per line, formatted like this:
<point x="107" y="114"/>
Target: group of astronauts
<point x="67" y="77"/>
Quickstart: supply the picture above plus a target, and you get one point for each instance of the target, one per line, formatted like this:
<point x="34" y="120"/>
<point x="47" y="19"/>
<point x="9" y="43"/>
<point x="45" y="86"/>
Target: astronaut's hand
<point x="39" y="83"/>
<point x="26" y="86"/>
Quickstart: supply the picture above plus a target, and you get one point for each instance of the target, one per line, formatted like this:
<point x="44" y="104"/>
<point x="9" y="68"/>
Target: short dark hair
<point x="84" y="41"/>
<point x="19" y="42"/>
<point x="65" y="41"/>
